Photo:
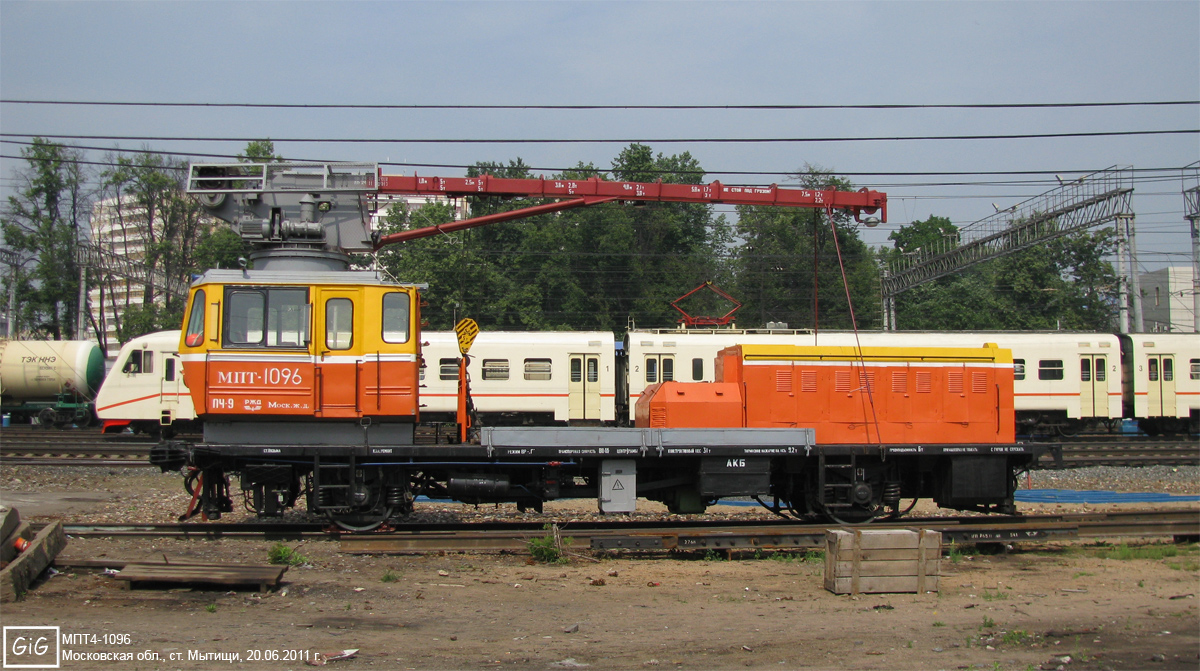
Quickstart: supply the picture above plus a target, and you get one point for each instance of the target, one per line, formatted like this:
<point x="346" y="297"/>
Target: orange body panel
<point x="680" y="404"/>
<point x="914" y="395"/>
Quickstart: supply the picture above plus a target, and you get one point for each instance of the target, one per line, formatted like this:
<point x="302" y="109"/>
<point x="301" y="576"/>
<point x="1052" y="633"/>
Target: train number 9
<point x="279" y="376"/>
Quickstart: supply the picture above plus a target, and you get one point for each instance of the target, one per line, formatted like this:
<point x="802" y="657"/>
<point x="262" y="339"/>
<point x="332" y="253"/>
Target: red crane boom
<point x="574" y="193"/>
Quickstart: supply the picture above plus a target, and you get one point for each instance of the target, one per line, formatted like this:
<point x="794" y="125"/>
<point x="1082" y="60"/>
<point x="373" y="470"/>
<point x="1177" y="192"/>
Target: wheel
<point x="360" y="522"/>
<point x="853" y="516"/>
<point x="47" y="417"/>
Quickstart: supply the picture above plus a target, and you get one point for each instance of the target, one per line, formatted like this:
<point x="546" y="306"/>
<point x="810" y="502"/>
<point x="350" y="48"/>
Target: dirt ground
<point x="1040" y="606"/>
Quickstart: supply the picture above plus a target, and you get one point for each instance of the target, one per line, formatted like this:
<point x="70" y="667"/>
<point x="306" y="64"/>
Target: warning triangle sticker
<point x="617" y="486"/>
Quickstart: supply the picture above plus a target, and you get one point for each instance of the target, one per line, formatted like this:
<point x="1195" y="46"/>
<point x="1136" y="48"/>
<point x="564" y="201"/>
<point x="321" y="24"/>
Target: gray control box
<point x="618" y="486"/>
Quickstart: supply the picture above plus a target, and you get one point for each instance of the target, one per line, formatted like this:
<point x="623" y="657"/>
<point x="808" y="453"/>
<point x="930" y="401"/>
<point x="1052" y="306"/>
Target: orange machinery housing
<point x="850" y="395"/>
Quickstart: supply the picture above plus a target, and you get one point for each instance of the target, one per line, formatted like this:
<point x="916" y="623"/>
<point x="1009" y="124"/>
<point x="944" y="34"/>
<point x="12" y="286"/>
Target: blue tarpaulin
<point x="1092" y="496"/>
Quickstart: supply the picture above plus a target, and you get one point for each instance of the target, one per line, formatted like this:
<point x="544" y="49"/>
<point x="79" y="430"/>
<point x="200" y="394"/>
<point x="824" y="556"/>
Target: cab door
<point x="1160" y="369"/>
<point x="337" y="343"/>
<point x="1093" y="385"/>
<point x="170" y="387"/>
<point x="583" y="391"/>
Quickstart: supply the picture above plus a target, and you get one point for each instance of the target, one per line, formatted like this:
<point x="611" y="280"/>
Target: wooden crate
<point x="872" y="562"/>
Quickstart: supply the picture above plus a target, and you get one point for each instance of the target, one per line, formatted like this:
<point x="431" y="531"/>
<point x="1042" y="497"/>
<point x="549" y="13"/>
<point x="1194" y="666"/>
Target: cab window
<point x="266" y="317"/>
<point x="339" y="323"/>
<point x="195" y="327"/>
<point x="395" y="317"/>
<point x="139" y="362"/>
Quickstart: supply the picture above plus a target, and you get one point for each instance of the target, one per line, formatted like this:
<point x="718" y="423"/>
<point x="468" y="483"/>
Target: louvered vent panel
<point x="866" y="381"/>
<point x="979" y="383"/>
<point x="783" y="381"/>
<point x="924" y="382"/>
<point x="841" y="380"/>
<point x="808" y="380"/>
<point x="954" y="379"/>
<point x="658" y="418"/>
<point x="900" y="382"/>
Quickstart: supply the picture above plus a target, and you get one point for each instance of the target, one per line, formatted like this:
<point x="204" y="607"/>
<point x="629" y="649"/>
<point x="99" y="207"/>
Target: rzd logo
<point x="31" y="648"/>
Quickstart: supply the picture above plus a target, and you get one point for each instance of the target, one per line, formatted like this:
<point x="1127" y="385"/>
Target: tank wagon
<point x="51" y="380"/>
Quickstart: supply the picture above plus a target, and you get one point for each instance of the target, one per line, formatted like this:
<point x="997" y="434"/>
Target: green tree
<point x="259" y="151"/>
<point x="218" y="247"/>
<point x="789" y="264"/>
<point x="44" y="222"/>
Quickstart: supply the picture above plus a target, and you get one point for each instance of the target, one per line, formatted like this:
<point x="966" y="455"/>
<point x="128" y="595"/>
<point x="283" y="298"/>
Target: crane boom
<point x="288" y="208"/>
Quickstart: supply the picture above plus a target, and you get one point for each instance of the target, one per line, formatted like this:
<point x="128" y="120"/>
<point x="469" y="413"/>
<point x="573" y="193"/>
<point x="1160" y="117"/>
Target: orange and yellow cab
<point x="315" y="344"/>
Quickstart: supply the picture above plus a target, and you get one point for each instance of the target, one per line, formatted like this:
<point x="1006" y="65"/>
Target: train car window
<point x="1085" y="370"/>
<point x="339" y="323"/>
<point x="1018" y="369"/>
<point x="697" y="369"/>
<point x="593" y="367"/>
<point x="537" y="369"/>
<point x="395" y="317"/>
<point x="1153" y="368"/>
<point x="447" y="369"/>
<point x="668" y="369"/>
<point x="169" y="369"/>
<point x="1168" y="369"/>
<point x="1101" y="369"/>
<point x="576" y="370"/>
<point x="195" y="327"/>
<point x="140" y="361"/>
<point x="1050" y="369"/>
<point x="1195" y="372"/>
<point x="495" y="369"/>
<point x="262" y="317"/>
<point x="651" y="370"/>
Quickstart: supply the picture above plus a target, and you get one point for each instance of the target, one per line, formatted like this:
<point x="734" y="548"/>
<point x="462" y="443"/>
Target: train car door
<point x="1160" y="392"/>
<point x="170" y="387"/>
<point x="337" y="365"/>
<point x="1093" y="385"/>
<point x="583" y="390"/>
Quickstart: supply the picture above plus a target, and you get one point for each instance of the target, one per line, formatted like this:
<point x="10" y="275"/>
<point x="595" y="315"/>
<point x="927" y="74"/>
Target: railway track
<point x="1182" y="525"/>
<point x="1124" y="451"/>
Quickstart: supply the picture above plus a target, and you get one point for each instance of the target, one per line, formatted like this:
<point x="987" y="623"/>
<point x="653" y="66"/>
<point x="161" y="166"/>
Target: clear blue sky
<point x="614" y="53"/>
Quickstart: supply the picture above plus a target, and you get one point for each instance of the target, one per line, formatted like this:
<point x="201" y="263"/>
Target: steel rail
<point x="691" y="535"/>
<point x="806" y="536"/>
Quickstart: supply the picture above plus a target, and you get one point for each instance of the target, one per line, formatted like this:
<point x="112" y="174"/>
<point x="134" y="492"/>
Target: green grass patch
<point x="390" y="576"/>
<point x="994" y="596"/>
<point x="1016" y="637"/>
<point x="282" y="554"/>
<point x="548" y="548"/>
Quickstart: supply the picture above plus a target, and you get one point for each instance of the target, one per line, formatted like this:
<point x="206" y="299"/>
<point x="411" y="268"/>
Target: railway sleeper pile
<point x="25" y="555"/>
